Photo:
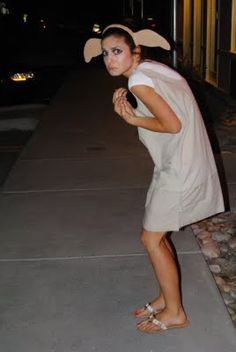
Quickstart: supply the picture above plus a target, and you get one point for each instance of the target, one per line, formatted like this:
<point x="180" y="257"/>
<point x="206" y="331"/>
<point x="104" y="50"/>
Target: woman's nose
<point x="109" y="59"/>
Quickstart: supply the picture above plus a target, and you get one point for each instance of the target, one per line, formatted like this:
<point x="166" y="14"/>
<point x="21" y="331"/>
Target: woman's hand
<point x="120" y="92"/>
<point x="121" y="106"/>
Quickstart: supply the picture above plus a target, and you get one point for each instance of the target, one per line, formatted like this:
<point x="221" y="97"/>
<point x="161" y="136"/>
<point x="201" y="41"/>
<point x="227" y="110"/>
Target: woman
<point x="185" y="187"/>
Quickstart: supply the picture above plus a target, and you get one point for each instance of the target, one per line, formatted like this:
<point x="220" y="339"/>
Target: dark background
<point x="52" y="19"/>
<point x="51" y="41"/>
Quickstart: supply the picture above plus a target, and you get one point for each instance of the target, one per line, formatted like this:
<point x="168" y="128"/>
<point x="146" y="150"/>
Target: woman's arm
<point x="164" y="119"/>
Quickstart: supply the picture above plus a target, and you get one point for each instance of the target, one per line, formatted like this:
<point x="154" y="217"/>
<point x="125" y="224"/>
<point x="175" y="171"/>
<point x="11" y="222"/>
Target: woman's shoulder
<point x="140" y="77"/>
<point x="151" y="72"/>
<point x="151" y="67"/>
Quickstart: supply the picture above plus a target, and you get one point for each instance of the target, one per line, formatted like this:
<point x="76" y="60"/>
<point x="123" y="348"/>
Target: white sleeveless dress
<point x="185" y="187"/>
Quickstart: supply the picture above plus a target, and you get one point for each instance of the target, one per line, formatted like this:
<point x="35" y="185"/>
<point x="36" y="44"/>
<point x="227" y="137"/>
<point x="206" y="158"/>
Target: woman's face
<point x="117" y="56"/>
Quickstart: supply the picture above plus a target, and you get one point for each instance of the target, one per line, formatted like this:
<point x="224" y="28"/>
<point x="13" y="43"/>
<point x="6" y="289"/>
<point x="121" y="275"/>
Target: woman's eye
<point x="104" y="52"/>
<point x="117" y="51"/>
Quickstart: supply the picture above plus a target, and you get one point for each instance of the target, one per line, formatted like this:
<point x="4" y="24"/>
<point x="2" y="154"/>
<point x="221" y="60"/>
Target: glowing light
<point x="25" y="17"/>
<point x="3" y="8"/>
<point x="96" y="28"/>
<point x="22" y="76"/>
<point x="43" y="23"/>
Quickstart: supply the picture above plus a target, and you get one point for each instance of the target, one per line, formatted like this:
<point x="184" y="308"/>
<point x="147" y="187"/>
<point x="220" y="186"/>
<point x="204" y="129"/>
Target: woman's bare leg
<point x="159" y="302"/>
<point x="166" y="271"/>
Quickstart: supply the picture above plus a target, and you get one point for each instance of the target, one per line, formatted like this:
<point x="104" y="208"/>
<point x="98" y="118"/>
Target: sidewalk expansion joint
<point x="104" y="256"/>
<point x="70" y="190"/>
<point x="85" y="157"/>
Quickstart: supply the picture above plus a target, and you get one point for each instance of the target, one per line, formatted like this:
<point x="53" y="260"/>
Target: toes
<point x="147" y="326"/>
<point x="138" y="311"/>
<point x="142" y="312"/>
<point x="142" y="324"/>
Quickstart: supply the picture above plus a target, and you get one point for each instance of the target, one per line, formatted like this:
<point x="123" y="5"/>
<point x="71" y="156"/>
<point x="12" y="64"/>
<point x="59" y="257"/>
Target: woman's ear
<point x="137" y="50"/>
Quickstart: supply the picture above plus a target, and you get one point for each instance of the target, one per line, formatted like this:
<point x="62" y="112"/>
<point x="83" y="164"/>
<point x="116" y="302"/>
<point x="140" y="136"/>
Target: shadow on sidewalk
<point x="210" y="117"/>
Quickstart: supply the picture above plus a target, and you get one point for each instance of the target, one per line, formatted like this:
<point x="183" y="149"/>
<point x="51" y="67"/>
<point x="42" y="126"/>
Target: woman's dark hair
<point x="119" y="32"/>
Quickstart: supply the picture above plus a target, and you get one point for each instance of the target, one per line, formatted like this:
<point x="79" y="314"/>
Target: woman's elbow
<point x="176" y="128"/>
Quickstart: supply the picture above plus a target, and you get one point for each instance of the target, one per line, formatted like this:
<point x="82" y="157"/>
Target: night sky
<point x="106" y="11"/>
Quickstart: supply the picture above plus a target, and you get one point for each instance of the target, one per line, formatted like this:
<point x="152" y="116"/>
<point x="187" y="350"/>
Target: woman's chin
<point x="114" y="73"/>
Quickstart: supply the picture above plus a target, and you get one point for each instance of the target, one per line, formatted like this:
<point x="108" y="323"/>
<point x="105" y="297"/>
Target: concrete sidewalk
<point x="72" y="266"/>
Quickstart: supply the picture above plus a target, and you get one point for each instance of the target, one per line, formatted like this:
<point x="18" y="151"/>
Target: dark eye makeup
<point x="115" y="51"/>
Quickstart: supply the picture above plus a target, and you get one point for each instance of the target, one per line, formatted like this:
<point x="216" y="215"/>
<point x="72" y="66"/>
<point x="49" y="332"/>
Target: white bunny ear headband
<point x="145" y="37"/>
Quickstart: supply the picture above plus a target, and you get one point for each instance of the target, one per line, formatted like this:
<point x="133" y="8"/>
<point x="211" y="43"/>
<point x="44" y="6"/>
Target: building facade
<point x="206" y="41"/>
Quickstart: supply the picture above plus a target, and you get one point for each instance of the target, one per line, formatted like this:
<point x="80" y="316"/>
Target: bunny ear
<point x="92" y="48"/>
<point x="147" y="37"/>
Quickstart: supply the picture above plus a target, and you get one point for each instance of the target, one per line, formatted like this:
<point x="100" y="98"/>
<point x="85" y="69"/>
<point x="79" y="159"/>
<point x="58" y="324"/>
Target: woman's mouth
<point x="111" y="68"/>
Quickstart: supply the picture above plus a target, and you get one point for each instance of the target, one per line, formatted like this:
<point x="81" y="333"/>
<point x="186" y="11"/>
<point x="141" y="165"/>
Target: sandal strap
<point x="149" y="307"/>
<point x="159" y="323"/>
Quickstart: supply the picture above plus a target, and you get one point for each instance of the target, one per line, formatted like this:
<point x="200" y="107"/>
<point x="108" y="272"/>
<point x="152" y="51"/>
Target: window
<point x="197" y="35"/>
<point x="233" y="27"/>
<point x="212" y="41"/>
<point x="188" y="32"/>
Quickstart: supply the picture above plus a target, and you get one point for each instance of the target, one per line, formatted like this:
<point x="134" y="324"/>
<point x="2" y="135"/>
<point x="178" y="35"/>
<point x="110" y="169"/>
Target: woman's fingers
<point x="123" y="108"/>
<point x="120" y="92"/>
<point x="120" y="101"/>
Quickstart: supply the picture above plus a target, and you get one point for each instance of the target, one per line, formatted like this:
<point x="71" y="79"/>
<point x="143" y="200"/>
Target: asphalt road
<point x="20" y="111"/>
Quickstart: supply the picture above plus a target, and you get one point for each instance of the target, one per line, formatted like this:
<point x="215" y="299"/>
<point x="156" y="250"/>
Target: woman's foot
<point x="163" y="321"/>
<point x="150" y="308"/>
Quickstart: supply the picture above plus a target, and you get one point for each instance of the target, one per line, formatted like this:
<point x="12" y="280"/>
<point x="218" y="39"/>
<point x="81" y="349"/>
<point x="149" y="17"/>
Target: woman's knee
<point x="152" y="240"/>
